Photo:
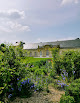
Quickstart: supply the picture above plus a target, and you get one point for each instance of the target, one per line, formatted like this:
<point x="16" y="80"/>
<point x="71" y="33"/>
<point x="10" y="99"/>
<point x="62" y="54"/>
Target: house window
<point x="40" y="53"/>
<point x="30" y="54"/>
<point x="35" y="54"/>
<point x="47" y="53"/>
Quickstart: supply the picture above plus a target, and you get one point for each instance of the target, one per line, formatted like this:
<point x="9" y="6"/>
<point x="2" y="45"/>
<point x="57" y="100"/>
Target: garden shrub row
<point x="69" y="61"/>
<point x="13" y="73"/>
<point x="67" y="66"/>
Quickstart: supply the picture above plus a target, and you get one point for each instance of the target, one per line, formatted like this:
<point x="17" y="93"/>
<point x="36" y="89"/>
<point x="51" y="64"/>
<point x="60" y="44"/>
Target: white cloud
<point x="10" y="26"/>
<point x="9" y="21"/>
<point x="14" y="26"/>
<point x="12" y="14"/>
<point x="64" y="2"/>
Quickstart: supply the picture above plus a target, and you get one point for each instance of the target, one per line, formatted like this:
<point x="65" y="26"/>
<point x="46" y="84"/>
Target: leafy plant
<point x="67" y="99"/>
<point x="11" y="71"/>
<point x="72" y="91"/>
<point x="25" y="88"/>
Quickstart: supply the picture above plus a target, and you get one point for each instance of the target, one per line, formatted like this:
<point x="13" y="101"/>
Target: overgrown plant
<point x="72" y="93"/>
<point x="55" y="54"/>
<point x="11" y="71"/>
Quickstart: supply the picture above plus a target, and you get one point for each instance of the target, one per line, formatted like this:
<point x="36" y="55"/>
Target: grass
<point x="32" y="59"/>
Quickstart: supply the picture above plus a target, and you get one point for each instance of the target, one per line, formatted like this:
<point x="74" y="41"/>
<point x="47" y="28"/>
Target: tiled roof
<point x="63" y="44"/>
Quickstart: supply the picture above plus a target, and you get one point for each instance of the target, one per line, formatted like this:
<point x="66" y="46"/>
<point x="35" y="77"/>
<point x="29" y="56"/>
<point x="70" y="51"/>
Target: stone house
<point x="43" y="49"/>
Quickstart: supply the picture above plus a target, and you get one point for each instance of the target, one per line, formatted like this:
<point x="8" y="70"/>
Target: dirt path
<point x="54" y="95"/>
<point x="43" y="97"/>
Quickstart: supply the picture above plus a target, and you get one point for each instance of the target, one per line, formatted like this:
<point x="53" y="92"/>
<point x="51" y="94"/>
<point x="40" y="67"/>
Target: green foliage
<point x="39" y="86"/>
<point x="12" y="70"/>
<point x="40" y="63"/>
<point x="69" y="61"/>
<point x="52" y="74"/>
<point x="20" y="52"/>
<point x="39" y="72"/>
<point x="55" y="54"/>
<point x="67" y="99"/>
<point x="73" y="90"/>
<point x="25" y="88"/>
<point x="77" y="66"/>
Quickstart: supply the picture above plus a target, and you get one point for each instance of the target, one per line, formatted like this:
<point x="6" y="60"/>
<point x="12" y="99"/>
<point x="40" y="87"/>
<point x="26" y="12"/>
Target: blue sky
<point x="39" y="20"/>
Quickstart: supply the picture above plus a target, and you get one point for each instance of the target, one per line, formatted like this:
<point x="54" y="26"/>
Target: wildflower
<point x="73" y="72"/>
<point x="32" y="66"/>
<point x="58" y="83"/>
<point x="17" y="78"/>
<point x="62" y="75"/>
<point x="10" y="95"/>
<point x="67" y="85"/>
<point x="28" y="80"/>
<point x="34" y="90"/>
<point x="22" y="82"/>
<point x="64" y="78"/>
<point x="61" y="85"/>
<point x="32" y="86"/>
<point x="37" y="89"/>
<point x="58" y="80"/>
<point x="66" y="74"/>
<point x="27" y="65"/>
<point x="12" y="89"/>
<point x="64" y="71"/>
<point x="21" y="85"/>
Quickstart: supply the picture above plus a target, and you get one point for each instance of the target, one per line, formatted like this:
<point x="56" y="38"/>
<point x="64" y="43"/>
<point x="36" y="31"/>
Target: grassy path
<point x="43" y="97"/>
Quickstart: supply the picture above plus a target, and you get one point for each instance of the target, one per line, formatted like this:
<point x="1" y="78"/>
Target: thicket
<point x="69" y="61"/>
<point x="67" y="66"/>
<point x="13" y="73"/>
<point x="72" y="93"/>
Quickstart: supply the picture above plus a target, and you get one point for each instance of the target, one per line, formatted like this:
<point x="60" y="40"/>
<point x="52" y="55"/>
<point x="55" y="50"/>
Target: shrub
<point x="11" y="71"/>
<point x="52" y="74"/>
<point x="55" y="54"/>
<point x="67" y="99"/>
<point x="77" y="67"/>
<point x="39" y="86"/>
<point x="40" y="63"/>
<point x="25" y="88"/>
<point x="69" y="61"/>
<point x="32" y="69"/>
<point x="73" y="90"/>
<point x="39" y="72"/>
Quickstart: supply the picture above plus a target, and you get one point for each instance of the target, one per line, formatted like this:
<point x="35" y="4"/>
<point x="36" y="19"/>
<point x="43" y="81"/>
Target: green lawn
<point x="32" y="59"/>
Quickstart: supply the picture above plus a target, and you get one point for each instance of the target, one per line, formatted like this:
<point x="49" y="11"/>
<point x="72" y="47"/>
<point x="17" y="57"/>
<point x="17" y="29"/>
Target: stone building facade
<point x="43" y="49"/>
